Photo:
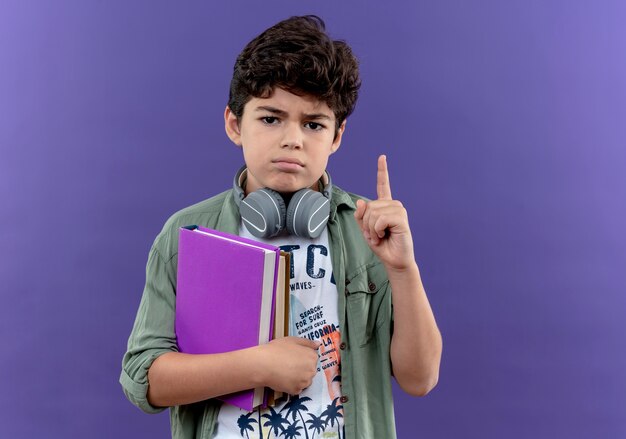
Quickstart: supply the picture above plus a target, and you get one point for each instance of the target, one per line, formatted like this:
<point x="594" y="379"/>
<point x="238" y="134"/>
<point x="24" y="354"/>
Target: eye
<point x="269" y="120"/>
<point x="314" y="126"/>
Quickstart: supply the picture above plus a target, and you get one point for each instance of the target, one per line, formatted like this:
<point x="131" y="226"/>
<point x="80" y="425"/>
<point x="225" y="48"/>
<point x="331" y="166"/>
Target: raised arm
<point x="416" y="342"/>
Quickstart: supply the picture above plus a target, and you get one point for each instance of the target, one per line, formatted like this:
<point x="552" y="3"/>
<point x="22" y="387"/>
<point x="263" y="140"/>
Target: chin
<point x="288" y="187"/>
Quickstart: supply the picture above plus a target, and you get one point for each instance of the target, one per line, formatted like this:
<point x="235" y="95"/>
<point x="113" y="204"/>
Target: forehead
<point x="290" y="103"/>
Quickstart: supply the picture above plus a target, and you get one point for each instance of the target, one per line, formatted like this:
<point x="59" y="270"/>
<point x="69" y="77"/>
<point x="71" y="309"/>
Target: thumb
<point x="313" y="344"/>
<point x="360" y="210"/>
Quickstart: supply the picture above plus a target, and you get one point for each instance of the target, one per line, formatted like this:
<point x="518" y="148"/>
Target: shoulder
<point x="200" y="211"/>
<point x="205" y="213"/>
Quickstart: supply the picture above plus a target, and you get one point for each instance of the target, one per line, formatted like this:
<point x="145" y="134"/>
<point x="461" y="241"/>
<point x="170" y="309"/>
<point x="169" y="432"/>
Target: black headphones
<point x="265" y="215"/>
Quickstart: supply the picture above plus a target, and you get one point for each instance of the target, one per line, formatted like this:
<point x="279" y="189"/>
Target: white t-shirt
<point x="313" y="306"/>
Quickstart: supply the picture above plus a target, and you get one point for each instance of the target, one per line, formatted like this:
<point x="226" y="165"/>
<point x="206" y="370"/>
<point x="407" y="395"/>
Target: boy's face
<point x="286" y="140"/>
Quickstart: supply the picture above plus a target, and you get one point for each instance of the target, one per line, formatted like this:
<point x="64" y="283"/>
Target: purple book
<point x="224" y="297"/>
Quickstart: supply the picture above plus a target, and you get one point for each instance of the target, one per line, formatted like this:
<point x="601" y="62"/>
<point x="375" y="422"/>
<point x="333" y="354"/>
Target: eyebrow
<point x="282" y="113"/>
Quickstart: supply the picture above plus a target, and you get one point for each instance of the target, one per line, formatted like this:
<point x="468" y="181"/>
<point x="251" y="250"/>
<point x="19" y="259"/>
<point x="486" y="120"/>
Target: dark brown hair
<point x="297" y="55"/>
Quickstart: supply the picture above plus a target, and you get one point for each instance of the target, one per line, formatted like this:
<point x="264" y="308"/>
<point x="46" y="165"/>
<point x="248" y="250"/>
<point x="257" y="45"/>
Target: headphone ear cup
<point x="263" y="213"/>
<point x="307" y="213"/>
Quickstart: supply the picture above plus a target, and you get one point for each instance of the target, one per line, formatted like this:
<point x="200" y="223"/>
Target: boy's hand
<point x="290" y="363"/>
<point x="385" y="224"/>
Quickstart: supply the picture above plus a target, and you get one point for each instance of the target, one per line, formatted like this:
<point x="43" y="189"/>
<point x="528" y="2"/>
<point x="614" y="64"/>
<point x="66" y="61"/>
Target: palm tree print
<point x="244" y="423"/>
<point x="260" y="428"/>
<point x="333" y="413"/>
<point x="292" y="431"/>
<point x="275" y="421"/>
<point x="296" y="406"/>
<point x="316" y="424"/>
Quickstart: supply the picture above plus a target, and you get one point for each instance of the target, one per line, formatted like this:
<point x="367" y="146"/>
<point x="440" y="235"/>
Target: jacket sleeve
<point x="153" y="333"/>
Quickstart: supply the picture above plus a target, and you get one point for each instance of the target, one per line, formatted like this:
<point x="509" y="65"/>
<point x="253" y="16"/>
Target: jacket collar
<point x="340" y="200"/>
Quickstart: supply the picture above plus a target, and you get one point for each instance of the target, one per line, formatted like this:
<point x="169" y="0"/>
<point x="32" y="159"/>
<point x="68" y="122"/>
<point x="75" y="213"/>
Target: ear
<point x="337" y="141"/>
<point x="231" y="125"/>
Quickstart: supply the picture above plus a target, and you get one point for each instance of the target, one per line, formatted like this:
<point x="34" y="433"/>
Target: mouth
<point x="288" y="161"/>
<point x="288" y="164"/>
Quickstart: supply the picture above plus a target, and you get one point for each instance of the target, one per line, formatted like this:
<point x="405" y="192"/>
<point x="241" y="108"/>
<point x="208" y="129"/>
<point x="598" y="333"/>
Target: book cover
<point x="224" y="297"/>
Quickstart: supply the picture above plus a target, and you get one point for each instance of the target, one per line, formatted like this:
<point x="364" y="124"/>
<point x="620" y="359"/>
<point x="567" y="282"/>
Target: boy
<point x="291" y="92"/>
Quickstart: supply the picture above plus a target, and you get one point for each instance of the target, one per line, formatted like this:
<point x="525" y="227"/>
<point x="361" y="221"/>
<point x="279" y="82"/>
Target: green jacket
<point x="365" y="316"/>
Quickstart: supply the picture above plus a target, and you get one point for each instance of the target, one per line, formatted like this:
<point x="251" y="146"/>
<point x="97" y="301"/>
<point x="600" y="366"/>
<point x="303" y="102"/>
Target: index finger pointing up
<point x="382" y="180"/>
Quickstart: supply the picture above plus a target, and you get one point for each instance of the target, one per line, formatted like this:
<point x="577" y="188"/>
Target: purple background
<point x="505" y="128"/>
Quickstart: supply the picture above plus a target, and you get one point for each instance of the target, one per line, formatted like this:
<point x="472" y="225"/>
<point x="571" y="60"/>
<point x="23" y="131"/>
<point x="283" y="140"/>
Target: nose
<point x="292" y="136"/>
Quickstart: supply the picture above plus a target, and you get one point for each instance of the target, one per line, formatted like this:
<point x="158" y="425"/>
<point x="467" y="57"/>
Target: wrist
<point x="408" y="269"/>
<point x="406" y="278"/>
<point x="259" y="370"/>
